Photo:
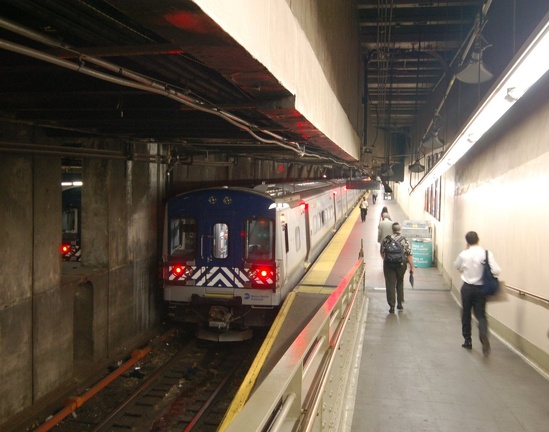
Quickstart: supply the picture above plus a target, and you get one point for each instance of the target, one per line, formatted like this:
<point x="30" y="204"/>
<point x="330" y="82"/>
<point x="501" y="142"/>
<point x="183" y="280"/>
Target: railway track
<point x="183" y="389"/>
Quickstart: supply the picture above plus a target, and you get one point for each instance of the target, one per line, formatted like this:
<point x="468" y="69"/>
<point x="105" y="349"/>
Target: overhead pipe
<point x="141" y="82"/>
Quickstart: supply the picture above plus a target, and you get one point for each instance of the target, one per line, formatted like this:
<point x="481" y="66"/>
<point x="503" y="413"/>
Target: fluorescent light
<point x="530" y="64"/>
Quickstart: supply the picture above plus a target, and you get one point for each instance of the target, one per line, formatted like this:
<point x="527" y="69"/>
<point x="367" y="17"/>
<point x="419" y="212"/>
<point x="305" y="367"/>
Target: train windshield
<point x="182" y="237"/>
<point x="259" y="235"/>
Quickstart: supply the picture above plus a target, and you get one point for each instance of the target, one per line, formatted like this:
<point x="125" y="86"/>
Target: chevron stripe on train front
<point x="220" y="277"/>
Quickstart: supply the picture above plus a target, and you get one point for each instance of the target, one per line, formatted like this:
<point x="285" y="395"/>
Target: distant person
<point x="385" y="227"/>
<point x="470" y="262"/>
<point x="363" y="208"/>
<point x="374" y="196"/>
<point x="384" y="210"/>
<point x="397" y="254"/>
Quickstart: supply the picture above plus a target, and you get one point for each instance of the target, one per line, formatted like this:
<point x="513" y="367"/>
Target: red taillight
<point x="261" y="276"/>
<point x="303" y="205"/>
<point x="179" y="272"/>
<point x="65" y="249"/>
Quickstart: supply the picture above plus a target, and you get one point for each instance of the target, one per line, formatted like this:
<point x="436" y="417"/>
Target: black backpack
<point x="394" y="252"/>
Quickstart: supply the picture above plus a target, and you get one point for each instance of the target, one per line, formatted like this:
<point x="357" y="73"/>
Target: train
<point x="71" y="224"/>
<point x="231" y="255"/>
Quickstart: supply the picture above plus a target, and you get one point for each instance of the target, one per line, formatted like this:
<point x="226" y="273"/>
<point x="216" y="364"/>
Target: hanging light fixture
<point x="432" y="141"/>
<point x="416" y="167"/>
<point x="528" y="66"/>
<point x="473" y="71"/>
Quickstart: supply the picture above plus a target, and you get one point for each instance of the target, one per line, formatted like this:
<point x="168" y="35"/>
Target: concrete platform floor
<point x="415" y="376"/>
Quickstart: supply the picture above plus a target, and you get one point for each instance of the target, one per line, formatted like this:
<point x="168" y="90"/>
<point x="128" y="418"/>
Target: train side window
<point x="70" y="220"/>
<point x="297" y="239"/>
<point x="259" y="236"/>
<point x="220" y="246"/>
<point x="182" y="237"/>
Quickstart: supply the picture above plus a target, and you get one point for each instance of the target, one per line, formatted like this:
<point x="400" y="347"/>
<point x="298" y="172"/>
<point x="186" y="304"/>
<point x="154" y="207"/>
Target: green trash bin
<point x="422" y="251"/>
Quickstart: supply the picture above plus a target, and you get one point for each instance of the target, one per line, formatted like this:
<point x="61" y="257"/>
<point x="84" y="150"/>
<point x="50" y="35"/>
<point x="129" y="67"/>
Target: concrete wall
<point x="319" y="64"/>
<point x="54" y="318"/>
<point x="499" y="190"/>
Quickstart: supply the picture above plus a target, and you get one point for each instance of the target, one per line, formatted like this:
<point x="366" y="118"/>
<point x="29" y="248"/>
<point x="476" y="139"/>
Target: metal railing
<point x="305" y="390"/>
<point x="523" y="293"/>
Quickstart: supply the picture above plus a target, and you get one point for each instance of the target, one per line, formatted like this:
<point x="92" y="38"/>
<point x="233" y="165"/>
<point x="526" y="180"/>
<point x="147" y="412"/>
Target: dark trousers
<point x="374" y="198"/>
<point x="472" y="299"/>
<point x="363" y="213"/>
<point x="394" y="280"/>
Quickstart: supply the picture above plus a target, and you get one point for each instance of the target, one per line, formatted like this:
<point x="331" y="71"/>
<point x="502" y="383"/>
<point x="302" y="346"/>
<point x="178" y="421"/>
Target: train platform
<point x="413" y="374"/>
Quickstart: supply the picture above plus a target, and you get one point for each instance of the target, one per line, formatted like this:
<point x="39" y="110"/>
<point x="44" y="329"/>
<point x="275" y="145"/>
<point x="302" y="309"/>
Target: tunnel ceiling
<point x="411" y="47"/>
<point x="164" y="72"/>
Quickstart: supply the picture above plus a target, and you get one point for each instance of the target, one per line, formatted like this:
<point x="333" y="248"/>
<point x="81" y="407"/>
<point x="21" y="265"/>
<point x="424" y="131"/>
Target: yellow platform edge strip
<point x="321" y="269"/>
<point x="248" y="383"/>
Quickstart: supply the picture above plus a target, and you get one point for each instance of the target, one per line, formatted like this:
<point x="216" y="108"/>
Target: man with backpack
<point x="397" y="254"/>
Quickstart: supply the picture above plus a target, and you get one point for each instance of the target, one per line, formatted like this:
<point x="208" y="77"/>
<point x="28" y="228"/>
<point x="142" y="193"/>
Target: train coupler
<point x="219" y="317"/>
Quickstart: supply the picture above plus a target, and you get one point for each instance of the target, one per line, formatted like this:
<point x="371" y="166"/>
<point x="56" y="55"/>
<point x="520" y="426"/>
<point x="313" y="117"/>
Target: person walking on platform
<point x="397" y="254"/>
<point x="363" y="208"/>
<point x="470" y="262"/>
<point x="384" y="210"/>
<point x="374" y="196"/>
<point x="385" y="227"/>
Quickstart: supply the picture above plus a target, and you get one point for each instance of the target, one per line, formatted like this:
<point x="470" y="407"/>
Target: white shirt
<point x="470" y="263"/>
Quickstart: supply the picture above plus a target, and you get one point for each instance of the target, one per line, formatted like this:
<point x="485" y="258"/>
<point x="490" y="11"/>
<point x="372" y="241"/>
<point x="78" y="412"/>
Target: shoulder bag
<point x="490" y="283"/>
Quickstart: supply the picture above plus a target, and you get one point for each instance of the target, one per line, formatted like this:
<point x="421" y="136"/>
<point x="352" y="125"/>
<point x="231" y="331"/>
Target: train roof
<point x="277" y="190"/>
<point x="281" y="192"/>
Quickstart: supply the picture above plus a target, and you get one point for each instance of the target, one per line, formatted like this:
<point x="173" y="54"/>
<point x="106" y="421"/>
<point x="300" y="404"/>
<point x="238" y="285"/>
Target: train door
<point x="218" y="249"/>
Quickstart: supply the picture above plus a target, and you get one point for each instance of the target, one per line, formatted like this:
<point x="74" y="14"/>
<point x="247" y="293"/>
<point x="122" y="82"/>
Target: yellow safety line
<point x="251" y="377"/>
<point x="318" y="274"/>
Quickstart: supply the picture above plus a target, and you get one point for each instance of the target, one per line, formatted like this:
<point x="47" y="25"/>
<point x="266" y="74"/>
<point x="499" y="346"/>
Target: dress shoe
<point x="391" y="310"/>
<point x="399" y="306"/>
<point x="467" y="344"/>
<point x="485" y="347"/>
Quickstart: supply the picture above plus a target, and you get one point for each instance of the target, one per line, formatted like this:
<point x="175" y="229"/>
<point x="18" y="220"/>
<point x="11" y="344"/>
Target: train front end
<point x="219" y="264"/>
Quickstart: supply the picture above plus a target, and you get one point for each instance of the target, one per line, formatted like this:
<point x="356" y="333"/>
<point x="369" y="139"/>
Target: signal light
<point x="303" y="206"/>
<point x="65" y="249"/>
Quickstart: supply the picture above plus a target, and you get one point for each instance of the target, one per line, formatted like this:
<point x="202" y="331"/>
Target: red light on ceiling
<point x="192" y="22"/>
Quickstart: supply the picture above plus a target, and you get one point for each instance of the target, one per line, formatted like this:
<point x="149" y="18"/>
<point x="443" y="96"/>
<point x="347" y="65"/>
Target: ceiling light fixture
<point x="474" y="71"/>
<point x="416" y="167"/>
<point x="528" y="66"/>
<point x="432" y="141"/>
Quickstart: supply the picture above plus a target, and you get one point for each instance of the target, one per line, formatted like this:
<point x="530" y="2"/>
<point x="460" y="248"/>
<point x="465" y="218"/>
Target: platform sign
<point x="422" y="252"/>
<point x="363" y="184"/>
